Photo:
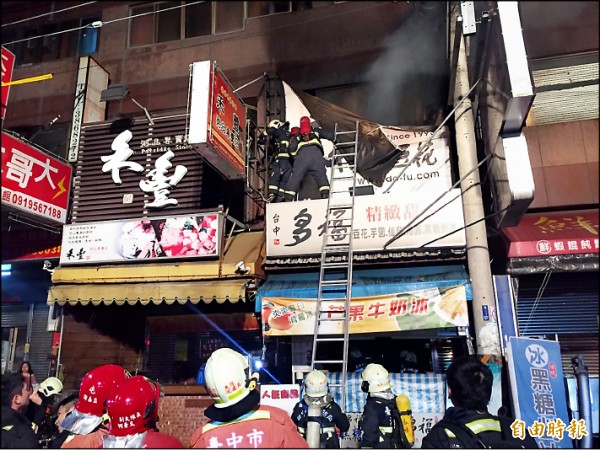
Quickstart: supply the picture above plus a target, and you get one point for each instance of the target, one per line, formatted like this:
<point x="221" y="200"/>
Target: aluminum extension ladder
<point x="335" y="276"/>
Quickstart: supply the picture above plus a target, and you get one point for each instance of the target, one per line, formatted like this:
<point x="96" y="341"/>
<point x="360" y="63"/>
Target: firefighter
<point x="87" y="422"/>
<point x="306" y="149"/>
<point x="237" y="420"/>
<point x="277" y="138"/>
<point x="380" y="422"/>
<point x="40" y="407"/>
<point x="133" y="412"/>
<point x="316" y="392"/>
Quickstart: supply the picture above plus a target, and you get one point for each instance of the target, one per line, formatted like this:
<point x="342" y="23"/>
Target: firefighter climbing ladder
<point x="335" y="276"/>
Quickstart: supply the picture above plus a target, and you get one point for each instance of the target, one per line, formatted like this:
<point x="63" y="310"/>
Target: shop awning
<point x="168" y="282"/>
<point x="145" y="293"/>
<point x="555" y="241"/>
<point x="369" y="282"/>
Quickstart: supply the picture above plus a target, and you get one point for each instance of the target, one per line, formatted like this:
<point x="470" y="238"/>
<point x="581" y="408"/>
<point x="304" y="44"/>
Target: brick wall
<point x="180" y="415"/>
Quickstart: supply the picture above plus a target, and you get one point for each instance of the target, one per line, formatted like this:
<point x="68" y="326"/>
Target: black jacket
<point x="381" y="425"/>
<point x="331" y="417"/>
<point x="439" y="438"/>
<point x="17" y="430"/>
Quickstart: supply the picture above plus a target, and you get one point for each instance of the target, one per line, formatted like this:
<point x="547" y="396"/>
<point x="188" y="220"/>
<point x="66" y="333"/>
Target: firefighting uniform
<point x="265" y="427"/>
<point x="381" y="425"/>
<point x="331" y="416"/>
<point x="307" y="152"/>
<point x="91" y="440"/>
<point x="280" y="168"/>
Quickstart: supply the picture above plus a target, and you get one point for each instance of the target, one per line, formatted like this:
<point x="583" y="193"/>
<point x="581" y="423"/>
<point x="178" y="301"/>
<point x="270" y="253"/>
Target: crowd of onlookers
<point x="113" y="409"/>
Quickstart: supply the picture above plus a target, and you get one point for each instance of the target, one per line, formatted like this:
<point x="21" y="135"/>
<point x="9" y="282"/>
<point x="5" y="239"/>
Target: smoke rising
<point x="408" y="82"/>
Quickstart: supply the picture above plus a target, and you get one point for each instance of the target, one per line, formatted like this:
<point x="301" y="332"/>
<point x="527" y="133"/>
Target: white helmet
<point x="315" y="384"/>
<point x="377" y="377"/>
<point x="276" y="123"/>
<point x="50" y="386"/>
<point x="227" y="377"/>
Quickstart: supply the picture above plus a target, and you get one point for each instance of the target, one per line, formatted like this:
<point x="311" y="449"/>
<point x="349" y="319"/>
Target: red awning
<point x="555" y="233"/>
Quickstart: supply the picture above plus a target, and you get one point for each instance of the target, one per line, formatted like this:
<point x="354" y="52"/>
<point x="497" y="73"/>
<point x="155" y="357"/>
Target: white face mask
<point x="130" y="441"/>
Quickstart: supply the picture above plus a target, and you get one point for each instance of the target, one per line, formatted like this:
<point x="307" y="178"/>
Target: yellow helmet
<point x="315" y="384"/>
<point x="50" y="386"/>
<point x="227" y="377"/>
<point x="377" y="378"/>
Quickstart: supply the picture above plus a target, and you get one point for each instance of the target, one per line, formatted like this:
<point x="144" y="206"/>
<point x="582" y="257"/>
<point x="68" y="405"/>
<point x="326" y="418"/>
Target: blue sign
<point x="538" y="389"/>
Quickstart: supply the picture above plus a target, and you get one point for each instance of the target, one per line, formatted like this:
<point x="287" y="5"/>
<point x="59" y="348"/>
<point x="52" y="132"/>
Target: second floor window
<point x="169" y="21"/>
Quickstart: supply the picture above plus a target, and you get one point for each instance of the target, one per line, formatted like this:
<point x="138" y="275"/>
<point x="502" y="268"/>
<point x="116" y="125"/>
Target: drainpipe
<point x="29" y="331"/>
<point x="583" y="398"/>
<point x="62" y="323"/>
<point x="478" y="256"/>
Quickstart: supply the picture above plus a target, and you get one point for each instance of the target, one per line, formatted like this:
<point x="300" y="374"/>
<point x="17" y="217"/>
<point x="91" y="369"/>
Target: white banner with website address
<point x="296" y="228"/>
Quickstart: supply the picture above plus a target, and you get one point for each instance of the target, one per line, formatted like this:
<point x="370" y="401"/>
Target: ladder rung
<point x="333" y="299"/>
<point x="335" y="265"/>
<point x="329" y="339"/>
<point x="345" y="132"/>
<point x="329" y="361"/>
<point x="334" y="282"/>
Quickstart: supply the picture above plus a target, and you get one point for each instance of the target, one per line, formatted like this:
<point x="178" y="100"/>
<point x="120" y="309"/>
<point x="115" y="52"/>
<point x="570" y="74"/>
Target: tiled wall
<point x="564" y="159"/>
<point x="180" y="415"/>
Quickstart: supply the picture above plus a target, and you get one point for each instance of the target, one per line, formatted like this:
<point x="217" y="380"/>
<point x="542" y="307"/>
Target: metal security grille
<point x="568" y="304"/>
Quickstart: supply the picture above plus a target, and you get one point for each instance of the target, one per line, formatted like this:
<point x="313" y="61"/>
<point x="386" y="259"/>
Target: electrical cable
<point x="99" y="24"/>
<point x="46" y="14"/>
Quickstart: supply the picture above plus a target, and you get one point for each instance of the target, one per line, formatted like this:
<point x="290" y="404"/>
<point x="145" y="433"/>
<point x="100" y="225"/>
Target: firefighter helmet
<point x="133" y="406"/>
<point x="97" y="385"/>
<point x="275" y="123"/>
<point x="294" y="131"/>
<point x="315" y="384"/>
<point x="227" y="377"/>
<point x="50" y="386"/>
<point x="375" y="378"/>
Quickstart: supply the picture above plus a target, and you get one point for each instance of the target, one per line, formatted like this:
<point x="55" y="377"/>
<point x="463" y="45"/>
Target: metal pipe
<point x="62" y="323"/>
<point x="583" y="399"/>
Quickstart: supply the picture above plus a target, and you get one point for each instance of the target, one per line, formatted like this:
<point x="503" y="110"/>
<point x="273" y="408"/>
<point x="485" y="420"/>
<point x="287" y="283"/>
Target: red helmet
<point x="97" y="385"/>
<point x="294" y="131"/>
<point x="133" y="406"/>
<point x="305" y="125"/>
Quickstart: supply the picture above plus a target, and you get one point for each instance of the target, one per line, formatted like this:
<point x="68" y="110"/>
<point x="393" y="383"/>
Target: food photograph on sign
<point x="142" y="239"/>
<point x="419" y="309"/>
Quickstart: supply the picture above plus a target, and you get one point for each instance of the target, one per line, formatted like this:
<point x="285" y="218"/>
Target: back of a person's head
<point x="470" y="383"/>
<point x="12" y="384"/>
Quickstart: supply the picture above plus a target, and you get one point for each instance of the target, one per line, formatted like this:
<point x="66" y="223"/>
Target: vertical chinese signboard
<point x="33" y="181"/>
<point x="217" y="120"/>
<point x="8" y="63"/>
<point x="538" y="389"/>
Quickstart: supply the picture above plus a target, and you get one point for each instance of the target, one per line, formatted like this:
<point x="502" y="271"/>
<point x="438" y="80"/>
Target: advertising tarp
<point x="142" y="239"/>
<point x="33" y="181"/>
<point x="538" y="390"/>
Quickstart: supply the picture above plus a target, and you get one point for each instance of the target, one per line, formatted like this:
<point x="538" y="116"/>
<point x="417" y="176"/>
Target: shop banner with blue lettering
<point x="538" y="391"/>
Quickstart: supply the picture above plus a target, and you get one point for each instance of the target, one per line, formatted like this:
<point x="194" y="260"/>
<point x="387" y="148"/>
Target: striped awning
<point x="163" y="292"/>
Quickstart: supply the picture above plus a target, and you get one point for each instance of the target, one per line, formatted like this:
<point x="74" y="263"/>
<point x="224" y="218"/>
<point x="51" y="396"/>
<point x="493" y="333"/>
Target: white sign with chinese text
<point x="296" y="228"/>
<point x="284" y="396"/>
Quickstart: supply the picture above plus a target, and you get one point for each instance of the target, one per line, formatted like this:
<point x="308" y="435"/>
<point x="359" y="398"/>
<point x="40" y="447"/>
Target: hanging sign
<point x="8" y="63"/>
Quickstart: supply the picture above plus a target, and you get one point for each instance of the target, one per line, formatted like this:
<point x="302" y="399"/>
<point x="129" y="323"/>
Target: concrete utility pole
<point x="478" y="257"/>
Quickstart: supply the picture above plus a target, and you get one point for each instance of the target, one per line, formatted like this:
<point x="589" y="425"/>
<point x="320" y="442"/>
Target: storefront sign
<point x="538" y="389"/>
<point x="142" y="239"/>
<point x="217" y="120"/>
<point x="284" y="396"/>
<point x="87" y="107"/>
<point x="47" y="253"/>
<point x="33" y="181"/>
<point x="8" y="63"/>
<point x="420" y="309"/>
<point x="430" y="172"/>
<point x="296" y="228"/>
<point x="555" y="233"/>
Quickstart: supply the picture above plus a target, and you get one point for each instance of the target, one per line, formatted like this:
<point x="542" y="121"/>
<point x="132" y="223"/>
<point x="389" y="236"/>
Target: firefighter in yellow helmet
<point x="316" y="391"/>
<point x="380" y="422"/>
<point x="277" y="139"/>
<point x="237" y="419"/>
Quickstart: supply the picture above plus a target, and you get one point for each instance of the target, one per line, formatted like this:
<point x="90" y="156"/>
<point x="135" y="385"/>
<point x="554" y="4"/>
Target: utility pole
<point x="487" y="335"/>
